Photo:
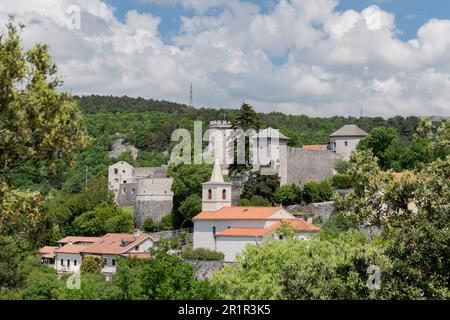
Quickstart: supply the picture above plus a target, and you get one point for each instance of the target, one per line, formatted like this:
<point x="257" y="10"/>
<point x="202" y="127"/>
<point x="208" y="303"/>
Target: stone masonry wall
<point x="205" y="269"/>
<point x="304" y="165"/>
<point x="155" y="209"/>
<point x="319" y="209"/>
<point x="126" y="195"/>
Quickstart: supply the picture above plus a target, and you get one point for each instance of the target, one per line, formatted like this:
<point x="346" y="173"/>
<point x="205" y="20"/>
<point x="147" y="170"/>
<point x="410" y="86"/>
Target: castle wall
<point x="147" y="207"/>
<point x="126" y="195"/>
<point x="153" y="200"/>
<point x="304" y="165"/>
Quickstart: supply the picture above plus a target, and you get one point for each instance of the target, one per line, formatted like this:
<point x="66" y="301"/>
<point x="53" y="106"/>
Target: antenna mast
<point x="191" y="97"/>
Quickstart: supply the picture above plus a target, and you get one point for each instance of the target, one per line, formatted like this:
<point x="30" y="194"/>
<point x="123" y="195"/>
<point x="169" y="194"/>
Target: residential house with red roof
<point x="228" y="229"/>
<point x="68" y="256"/>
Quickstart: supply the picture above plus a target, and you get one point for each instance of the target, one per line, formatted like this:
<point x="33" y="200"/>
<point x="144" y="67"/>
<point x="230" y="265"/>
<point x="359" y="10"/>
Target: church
<point x="228" y="229"/>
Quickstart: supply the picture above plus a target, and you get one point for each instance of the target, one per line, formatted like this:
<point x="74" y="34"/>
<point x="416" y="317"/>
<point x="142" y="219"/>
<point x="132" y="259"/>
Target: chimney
<point x="137" y="233"/>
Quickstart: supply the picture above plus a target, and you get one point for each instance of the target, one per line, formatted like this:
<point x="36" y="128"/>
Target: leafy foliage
<point x="202" y="254"/>
<point x="341" y="181"/>
<point x="298" y="269"/>
<point x="260" y="185"/>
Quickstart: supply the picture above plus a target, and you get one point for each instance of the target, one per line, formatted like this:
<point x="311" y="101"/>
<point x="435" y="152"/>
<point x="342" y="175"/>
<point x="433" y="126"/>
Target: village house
<point x="228" y="229"/>
<point x="68" y="256"/>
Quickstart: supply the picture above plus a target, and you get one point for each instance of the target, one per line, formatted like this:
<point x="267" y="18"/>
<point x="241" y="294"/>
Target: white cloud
<point x="336" y="62"/>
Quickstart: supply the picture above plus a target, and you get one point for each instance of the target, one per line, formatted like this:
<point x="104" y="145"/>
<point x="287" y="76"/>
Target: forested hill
<point x="300" y="128"/>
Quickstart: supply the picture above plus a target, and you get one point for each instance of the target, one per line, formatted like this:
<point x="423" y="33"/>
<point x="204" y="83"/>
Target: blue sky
<point x="409" y="14"/>
<point x="298" y="56"/>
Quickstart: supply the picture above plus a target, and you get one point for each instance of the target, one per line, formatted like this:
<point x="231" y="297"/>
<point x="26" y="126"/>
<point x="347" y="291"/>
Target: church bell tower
<point x="216" y="193"/>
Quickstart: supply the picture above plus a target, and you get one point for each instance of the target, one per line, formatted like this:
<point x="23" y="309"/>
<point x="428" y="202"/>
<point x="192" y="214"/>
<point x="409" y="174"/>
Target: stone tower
<point x="216" y="193"/>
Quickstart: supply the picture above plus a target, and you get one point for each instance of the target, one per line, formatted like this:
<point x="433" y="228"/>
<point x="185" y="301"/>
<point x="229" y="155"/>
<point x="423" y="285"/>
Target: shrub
<point x="341" y="181"/>
<point x="257" y="201"/>
<point x="164" y="225"/>
<point x="202" y="254"/>
<point x="311" y="192"/>
<point x="286" y="195"/>
<point x="325" y="191"/>
<point x="342" y="166"/>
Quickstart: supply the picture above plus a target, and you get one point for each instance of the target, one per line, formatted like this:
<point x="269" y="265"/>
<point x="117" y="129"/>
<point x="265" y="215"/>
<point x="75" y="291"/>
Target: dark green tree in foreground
<point x="246" y="119"/>
<point x="39" y="127"/>
<point x="384" y="143"/>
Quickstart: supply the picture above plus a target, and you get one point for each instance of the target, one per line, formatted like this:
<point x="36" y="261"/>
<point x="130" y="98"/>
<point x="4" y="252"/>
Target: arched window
<point x="214" y="231"/>
<point x="209" y="194"/>
<point x="224" y="194"/>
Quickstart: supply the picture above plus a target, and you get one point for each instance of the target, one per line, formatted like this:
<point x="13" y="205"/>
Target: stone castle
<point x="292" y="165"/>
<point x="148" y="190"/>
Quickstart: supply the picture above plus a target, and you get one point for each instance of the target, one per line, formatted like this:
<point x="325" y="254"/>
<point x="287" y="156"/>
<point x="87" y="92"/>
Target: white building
<point x="228" y="229"/>
<point x="270" y="147"/>
<point x="345" y="140"/>
<point x="69" y="256"/>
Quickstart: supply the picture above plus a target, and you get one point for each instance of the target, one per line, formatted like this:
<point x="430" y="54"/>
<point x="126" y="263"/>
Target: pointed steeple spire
<point x="216" y="175"/>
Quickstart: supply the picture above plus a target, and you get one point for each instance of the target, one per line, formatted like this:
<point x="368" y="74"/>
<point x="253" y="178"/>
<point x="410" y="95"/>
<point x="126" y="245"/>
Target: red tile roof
<point x="296" y="223"/>
<point x="47" y="252"/>
<point x="314" y="147"/>
<point x="115" y="243"/>
<point x="78" y="239"/>
<point x="238" y="213"/>
<point x="244" y="232"/>
<point x="71" y="248"/>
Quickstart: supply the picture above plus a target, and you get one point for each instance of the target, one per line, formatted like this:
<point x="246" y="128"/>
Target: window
<point x="113" y="262"/>
<point x="209" y="194"/>
<point x="123" y="171"/>
<point x="116" y="171"/>
<point x="280" y="237"/>
<point x="74" y="262"/>
<point x="116" y="180"/>
<point x="68" y="263"/>
<point x="124" y="190"/>
<point x="214" y="231"/>
<point x="132" y="190"/>
<point x="136" y="248"/>
<point x="62" y="262"/>
<point x="124" y="181"/>
<point x="346" y="143"/>
<point x="224" y="194"/>
<point x="334" y="144"/>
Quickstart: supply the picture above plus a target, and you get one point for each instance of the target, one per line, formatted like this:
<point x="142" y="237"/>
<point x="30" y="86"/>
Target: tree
<point x="162" y="277"/>
<point x="286" y="195"/>
<point x="42" y="284"/>
<point x="317" y="192"/>
<point x="255" y="201"/>
<point x="187" y="181"/>
<point x="101" y="220"/>
<point x="341" y="181"/>
<point x="260" y="185"/>
<point x="38" y="122"/>
<point x="92" y="287"/>
<point x="298" y="269"/>
<point x="413" y="214"/>
<point x="342" y="166"/>
<point x="383" y="142"/>
<point x="190" y="208"/>
<point x="418" y="151"/>
<point x="246" y="119"/>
